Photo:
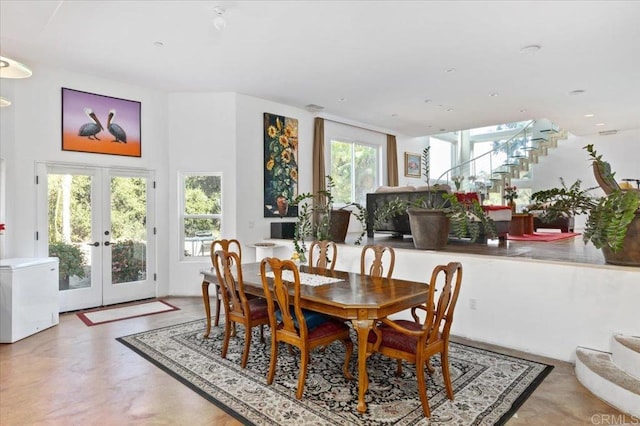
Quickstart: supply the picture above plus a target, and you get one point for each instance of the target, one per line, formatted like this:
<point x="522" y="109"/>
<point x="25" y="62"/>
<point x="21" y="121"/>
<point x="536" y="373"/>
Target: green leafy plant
<point x="314" y="217"/>
<point x="561" y="202"/>
<point x="72" y="260"/>
<point x="128" y="261"/>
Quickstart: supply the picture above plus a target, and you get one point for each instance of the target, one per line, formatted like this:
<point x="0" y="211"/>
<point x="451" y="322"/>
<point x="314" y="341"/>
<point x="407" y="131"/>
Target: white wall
<point x="31" y="132"/>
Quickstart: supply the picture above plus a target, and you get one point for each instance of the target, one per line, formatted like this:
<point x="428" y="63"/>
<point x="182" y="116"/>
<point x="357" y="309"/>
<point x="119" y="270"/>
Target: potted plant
<point x="432" y="217"/>
<point x="613" y="221"/>
<point x="71" y="262"/>
<point x="318" y="219"/>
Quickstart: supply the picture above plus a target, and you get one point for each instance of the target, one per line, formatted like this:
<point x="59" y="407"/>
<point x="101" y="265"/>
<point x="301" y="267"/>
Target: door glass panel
<point x="69" y="212"/>
<point x="128" y="229"/>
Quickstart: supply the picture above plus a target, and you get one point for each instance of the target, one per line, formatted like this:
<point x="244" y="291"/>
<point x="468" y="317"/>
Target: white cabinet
<point x="28" y="297"/>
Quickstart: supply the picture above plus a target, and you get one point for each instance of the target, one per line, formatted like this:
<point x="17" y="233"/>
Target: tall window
<point x="355" y="170"/>
<point x="201" y="213"/>
<point x="440" y="154"/>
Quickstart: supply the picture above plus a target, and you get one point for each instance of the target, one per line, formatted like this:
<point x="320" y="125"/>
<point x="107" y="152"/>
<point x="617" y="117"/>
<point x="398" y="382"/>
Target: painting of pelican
<point x="120" y="135"/>
<point x="90" y="130"/>
<point x="117" y="131"/>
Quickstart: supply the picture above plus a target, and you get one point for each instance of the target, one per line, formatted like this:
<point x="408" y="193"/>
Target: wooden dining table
<point x="361" y="299"/>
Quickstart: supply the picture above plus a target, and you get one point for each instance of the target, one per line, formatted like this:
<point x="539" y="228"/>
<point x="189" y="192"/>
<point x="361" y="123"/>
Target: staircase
<point x="522" y="150"/>
<point x="613" y="377"/>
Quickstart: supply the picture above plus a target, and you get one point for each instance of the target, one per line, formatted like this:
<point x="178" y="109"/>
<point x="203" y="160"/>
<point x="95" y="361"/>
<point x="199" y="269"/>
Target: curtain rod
<point x="351" y="125"/>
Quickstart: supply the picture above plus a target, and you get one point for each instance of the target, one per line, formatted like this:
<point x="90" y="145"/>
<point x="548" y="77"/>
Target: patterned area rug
<point x="489" y="387"/>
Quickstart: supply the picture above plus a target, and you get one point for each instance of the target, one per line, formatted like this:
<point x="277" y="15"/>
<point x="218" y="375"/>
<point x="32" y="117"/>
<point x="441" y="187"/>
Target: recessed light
<point x="449" y="109"/>
<point x="523" y="110"/>
<point x="443" y="130"/>
<point x="493" y="94"/>
<point x="599" y="124"/>
<point x="343" y="99"/>
<point x="450" y="70"/>
<point x="158" y="43"/>
<point x="394" y="115"/>
<point x="577" y="92"/>
<point x="589" y="115"/>
<point x="532" y="48"/>
<point x="426" y="101"/>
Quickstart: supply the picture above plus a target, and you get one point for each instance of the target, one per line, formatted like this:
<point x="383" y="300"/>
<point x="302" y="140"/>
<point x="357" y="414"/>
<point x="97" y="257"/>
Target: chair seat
<point x="258" y="308"/>
<point x="327" y="328"/>
<point x="313" y="319"/>
<point x="394" y="339"/>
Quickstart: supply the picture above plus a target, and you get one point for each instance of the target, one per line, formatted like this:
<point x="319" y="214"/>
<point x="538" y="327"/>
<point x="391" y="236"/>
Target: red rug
<point x="543" y="236"/>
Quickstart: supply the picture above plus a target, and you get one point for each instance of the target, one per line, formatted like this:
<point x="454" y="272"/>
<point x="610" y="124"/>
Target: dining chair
<point x="225" y="245"/>
<point x="323" y="255"/>
<point x="238" y="308"/>
<point x="417" y="342"/>
<point x="381" y="255"/>
<point x="295" y="326"/>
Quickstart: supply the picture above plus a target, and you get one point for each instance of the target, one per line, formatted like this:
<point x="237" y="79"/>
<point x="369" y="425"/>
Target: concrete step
<point x="597" y="372"/>
<point x="625" y="353"/>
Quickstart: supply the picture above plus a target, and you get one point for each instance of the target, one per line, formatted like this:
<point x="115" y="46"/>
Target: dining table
<point x="361" y="299"/>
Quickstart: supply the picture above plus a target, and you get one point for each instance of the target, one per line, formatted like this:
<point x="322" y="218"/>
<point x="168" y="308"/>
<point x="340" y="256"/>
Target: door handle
<point x="106" y="243"/>
<point x="96" y="244"/>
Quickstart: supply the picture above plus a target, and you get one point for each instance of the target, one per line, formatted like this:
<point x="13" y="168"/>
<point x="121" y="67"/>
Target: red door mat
<point x="111" y="314"/>
<point x="543" y="236"/>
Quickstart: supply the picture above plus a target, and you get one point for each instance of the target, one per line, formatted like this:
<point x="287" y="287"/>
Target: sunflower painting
<point x="280" y="165"/>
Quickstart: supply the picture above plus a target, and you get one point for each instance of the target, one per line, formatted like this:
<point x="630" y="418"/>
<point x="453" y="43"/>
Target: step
<point x="597" y="372"/>
<point x="625" y="352"/>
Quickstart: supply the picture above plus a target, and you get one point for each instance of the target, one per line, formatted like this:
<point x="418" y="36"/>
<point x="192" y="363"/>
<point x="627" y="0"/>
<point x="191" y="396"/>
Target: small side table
<point x="264" y="249"/>
<point x="521" y="224"/>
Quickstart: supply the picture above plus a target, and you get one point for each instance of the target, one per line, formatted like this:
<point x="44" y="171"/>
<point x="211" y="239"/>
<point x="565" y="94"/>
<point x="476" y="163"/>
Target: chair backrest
<point x="377" y="265"/>
<point x="323" y="254"/>
<point x="445" y="280"/>
<point x="226" y="245"/>
<point x="229" y="271"/>
<point x="276" y="292"/>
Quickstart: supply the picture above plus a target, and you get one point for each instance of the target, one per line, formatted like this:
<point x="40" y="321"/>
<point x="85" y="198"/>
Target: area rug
<point x="543" y="236"/>
<point x="489" y="387"/>
<point x="111" y="314"/>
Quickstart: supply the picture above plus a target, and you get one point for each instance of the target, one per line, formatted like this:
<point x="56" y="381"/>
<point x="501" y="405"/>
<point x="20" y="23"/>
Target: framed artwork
<point x="412" y="164"/>
<point x="280" y="165"/>
<point x="100" y="124"/>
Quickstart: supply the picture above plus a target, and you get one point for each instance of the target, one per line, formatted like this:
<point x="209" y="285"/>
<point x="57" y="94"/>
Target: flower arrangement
<point x="281" y="166"/>
<point x="510" y="193"/>
<point x="2" y="228"/>
<point x="457" y="181"/>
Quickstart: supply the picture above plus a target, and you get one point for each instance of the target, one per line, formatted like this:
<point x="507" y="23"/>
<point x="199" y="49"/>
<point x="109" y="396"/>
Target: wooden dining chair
<point x="416" y="342"/>
<point x="225" y="245"/>
<point x="381" y="255"/>
<point x="238" y="308"/>
<point x="295" y="326"/>
<point x="323" y="255"/>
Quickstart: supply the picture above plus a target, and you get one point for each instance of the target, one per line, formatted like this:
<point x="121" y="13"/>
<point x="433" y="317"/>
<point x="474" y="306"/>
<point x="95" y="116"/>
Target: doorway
<point x="99" y="222"/>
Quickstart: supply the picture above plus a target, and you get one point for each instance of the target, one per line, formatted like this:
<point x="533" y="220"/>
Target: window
<point x="355" y="171"/>
<point x="440" y="156"/>
<point x="201" y="213"/>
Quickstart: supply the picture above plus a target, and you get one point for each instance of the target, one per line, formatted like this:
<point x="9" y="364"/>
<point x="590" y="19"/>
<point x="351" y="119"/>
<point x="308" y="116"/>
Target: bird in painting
<point x="90" y="130"/>
<point x="117" y="131"/>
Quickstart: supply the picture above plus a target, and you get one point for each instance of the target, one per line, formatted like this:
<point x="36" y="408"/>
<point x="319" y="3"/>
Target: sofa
<point x="399" y="225"/>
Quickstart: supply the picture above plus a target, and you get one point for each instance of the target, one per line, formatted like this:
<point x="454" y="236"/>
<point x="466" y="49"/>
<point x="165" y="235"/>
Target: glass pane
<point x="202" y="195"/>
<point x="128" y="229"/>
<point x="70" y="228"/>
<point x="366" y="172"/>
<point x="199" y="233"/>
<point x="341" y="170"/>
<point x="440" y="158"/>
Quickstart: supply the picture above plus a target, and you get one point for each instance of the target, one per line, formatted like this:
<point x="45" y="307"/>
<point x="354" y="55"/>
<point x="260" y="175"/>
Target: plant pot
<point x="339" y="225"/>
<point x="630" y="253"/>
<point x="429" y="228"/>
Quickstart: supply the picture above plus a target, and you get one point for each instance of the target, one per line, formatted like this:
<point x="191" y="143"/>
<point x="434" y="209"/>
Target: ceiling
<point x="372" y="62"/>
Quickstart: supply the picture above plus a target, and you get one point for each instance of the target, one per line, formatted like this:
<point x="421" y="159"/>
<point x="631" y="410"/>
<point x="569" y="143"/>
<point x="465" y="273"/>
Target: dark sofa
<point x="399" y="225"/>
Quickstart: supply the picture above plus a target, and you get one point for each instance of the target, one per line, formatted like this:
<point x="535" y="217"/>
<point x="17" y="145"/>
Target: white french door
<point x="100" y="223"/>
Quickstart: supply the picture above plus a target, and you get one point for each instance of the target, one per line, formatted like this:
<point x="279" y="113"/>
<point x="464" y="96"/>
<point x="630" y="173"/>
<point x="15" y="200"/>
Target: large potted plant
<point x="434" y="216"/>
<point x="319" y="219"/>
<point x="613" y="221"/>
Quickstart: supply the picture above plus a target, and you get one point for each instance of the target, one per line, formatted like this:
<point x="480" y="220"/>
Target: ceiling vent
<point x="314" y="108"/>
<point x="608" y="132"/>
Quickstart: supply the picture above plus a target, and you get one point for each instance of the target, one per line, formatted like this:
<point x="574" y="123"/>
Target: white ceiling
<point x="384" y="57"/>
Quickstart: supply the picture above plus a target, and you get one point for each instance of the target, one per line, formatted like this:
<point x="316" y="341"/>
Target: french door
<point x="99" y="222"/>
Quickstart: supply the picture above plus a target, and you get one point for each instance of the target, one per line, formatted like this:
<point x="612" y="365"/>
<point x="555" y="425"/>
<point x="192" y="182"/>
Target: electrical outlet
<point x="473" y="304"/>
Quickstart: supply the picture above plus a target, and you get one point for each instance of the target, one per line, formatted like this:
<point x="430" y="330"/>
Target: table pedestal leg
<point x="362" y="327"/>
